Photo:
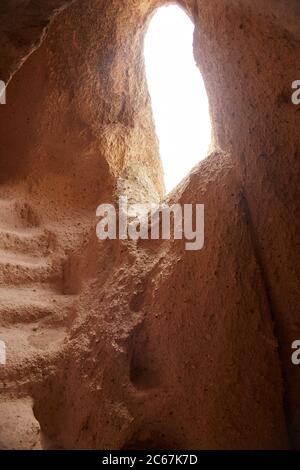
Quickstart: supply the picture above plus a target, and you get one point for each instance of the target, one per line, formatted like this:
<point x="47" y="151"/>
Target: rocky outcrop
<point x="148" y="345"/>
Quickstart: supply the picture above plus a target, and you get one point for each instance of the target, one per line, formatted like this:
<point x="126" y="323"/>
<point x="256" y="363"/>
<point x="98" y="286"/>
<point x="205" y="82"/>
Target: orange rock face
<point x="142" y="344"/>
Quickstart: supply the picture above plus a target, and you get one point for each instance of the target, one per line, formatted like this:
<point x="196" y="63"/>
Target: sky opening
<point x="179" y="100"/>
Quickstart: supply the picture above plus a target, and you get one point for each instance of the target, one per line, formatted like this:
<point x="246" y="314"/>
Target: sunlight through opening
<point x="179" y="100"/>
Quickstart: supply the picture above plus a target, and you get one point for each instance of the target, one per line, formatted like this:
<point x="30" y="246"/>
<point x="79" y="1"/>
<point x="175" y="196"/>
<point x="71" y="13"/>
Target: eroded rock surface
<point x="23" y="25"/>
<point x="145" y="345"/>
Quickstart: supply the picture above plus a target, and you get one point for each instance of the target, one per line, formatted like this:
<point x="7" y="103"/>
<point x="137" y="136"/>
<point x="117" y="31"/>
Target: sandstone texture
<point x="142" y="344"/>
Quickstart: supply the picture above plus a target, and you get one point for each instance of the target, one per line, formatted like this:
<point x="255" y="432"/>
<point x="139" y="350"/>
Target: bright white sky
<point x="179" y="99"/>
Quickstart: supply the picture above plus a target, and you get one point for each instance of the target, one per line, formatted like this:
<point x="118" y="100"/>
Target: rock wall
<point x="123" y="344"/>
<point x="23" y="25"/>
